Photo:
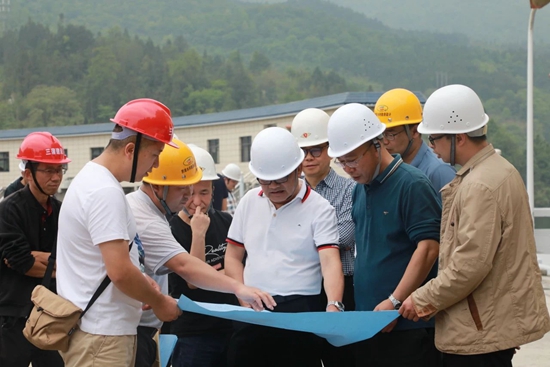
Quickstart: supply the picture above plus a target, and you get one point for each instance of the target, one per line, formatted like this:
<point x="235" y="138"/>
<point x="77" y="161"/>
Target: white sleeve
<point x="159" y="246"/>
<point x="108" y="215"/>
<point x="325" y="226"/>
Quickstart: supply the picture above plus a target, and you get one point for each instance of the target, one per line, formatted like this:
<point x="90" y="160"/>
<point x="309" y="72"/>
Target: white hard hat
<point x="22" y="165"/>
<point x="232" y="171"/>
<point x="206" y="162"/>
<point x="350" y="126"/>
<point x="274" y="154"/>
<point x="309" y="127"/>
<point x="454" y="109"/>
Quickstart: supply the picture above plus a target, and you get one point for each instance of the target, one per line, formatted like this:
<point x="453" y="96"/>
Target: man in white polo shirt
<point x="290" y="236"/>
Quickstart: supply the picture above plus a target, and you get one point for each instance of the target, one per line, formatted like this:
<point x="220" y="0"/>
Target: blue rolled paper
<point x="338" y="328"/>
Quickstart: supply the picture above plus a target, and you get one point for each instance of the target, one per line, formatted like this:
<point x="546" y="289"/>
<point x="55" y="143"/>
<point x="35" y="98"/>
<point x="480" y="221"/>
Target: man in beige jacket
<point x="487" y="297"/>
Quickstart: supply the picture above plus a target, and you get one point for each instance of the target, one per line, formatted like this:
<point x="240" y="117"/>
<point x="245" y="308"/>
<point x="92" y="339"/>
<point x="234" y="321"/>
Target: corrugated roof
<point x="256" y="113"/>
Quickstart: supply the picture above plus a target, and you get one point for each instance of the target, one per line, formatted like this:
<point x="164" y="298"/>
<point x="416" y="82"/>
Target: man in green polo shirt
<point x="397" y="214"/>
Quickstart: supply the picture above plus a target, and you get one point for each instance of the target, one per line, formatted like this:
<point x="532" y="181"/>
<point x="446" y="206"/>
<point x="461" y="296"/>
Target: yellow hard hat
<point x="398" y="107"/>
<point x="176" y="167"/>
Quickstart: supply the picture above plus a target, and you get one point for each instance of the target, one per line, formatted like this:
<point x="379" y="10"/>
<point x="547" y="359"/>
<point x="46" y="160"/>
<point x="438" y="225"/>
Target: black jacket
<point x="25" y="226"/>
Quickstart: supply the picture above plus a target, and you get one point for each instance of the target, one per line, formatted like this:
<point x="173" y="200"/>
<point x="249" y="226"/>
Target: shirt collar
<point x="476" y="159"/>
<point x="330" y="178"/>
<point x="419" y="155"/>
<point x="390" y="169"/>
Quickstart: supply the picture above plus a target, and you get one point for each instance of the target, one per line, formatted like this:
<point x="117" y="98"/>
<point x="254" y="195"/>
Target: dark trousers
<point x="502" y="358"/>
<point x="399" y="348"/>
<point x="146" y="353"/>
<point x="206" y="350"/>
<point x="340" y="356"/>
<point x="17" y="351"/>
<point x="253" y="345"/>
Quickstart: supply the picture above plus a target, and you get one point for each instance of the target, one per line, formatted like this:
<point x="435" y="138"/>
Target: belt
<point x="283" y="299"/>
<point x="151" y="331"/>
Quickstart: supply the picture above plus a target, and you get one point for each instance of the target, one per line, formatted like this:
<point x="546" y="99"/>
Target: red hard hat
<point x="149" y="117"/>
<point x="42" y="147"/>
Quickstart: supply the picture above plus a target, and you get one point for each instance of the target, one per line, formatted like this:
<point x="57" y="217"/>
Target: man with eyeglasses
<point x="309" y="127"/>
<point x="290" y="237"/>
<point x="400" y="110"/>
<point x="397" y="214"/>
<point x="487" y="298"/>
<point x="28" y="232"/>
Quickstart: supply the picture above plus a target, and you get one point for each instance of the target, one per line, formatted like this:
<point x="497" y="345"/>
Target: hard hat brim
<point x="281" y="174"/>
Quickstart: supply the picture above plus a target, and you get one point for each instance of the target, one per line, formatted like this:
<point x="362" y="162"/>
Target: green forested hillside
<point x="488" y="21"/>
<point x="205" y="56"/>
<point x="311" y="33"/>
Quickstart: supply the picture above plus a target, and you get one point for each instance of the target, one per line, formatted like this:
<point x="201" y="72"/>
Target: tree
<point x="51" y="106"/>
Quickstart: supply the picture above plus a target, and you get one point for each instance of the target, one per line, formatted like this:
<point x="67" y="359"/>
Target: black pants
<point x="340" y="356"/>
<point x="254" y="345"/>
<point x="502" y="358"/>
<point x="17" y="351"/>
<point x="402" y="348"/>
<point x="146" y="353"/>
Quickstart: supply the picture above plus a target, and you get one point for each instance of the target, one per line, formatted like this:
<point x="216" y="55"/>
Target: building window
<point x="66" y="152"/>
<point x="246" y="143"/>
<point x="95" y="152"/>
<point x="4" y="161"/>
<point x="214" y="149"/>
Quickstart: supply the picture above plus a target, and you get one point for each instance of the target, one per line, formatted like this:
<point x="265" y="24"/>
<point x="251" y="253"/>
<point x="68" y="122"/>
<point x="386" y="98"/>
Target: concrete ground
<point x="536" y="354"/>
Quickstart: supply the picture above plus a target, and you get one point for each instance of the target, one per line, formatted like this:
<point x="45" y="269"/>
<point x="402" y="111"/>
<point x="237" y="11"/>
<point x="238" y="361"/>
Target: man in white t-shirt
<point x="162" y="194"/>
<point x="290" y="236"/>
<point x="96" y="230"/>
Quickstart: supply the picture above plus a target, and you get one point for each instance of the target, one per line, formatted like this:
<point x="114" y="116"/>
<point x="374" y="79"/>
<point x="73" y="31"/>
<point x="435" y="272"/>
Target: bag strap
<point x="49" y="271"/>
<point x="100" y="289"/>
<point x="46" y="281"/>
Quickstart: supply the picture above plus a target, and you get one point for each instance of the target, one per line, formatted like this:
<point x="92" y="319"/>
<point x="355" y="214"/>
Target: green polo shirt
<point x="398" y="209"/>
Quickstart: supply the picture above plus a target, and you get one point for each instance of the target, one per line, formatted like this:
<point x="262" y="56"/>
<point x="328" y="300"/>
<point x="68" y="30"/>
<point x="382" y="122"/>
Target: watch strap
<point x="339" y="305"/>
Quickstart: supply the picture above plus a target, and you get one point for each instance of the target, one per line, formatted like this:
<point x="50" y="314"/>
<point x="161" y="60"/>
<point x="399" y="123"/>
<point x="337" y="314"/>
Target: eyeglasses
<point x="354" y="163"/>
<point x="315" y="151"/>
<point x="50" y="171"/>
<point x="279" y="181"/>
<point x="432" y="139"/>
<point x="391" y="136"/>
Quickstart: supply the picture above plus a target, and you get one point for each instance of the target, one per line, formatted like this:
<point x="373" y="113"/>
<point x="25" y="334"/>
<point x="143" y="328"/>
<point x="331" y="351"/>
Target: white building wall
<point x="228" y="133"/>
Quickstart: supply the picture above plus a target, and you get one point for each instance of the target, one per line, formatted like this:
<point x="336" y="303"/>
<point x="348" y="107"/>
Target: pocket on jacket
<point x="474" y="312"/>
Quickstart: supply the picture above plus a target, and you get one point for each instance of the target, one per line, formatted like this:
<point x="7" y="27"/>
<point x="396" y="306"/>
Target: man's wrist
<point x="339" y="305"/>
<point x="396" y="303"/>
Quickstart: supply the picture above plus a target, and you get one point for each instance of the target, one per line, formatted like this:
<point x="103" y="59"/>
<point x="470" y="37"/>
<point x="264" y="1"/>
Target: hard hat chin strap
<point x="408" y="132"/>
<point x="453" y="150"/>
<point x="135" y="160"/>
<point x="378" y="148"/>
<point x="168" y="213"/>
<point x="32" y="167"/>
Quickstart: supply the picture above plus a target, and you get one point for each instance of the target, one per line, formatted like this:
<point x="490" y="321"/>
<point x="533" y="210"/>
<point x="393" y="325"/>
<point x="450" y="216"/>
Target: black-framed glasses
<point x="315" y="151"/>
<point x="279" y="181"/>
<point x="354" y="163"/>
<point x="52" y="171"/>
<point x="432" y="139"/>
<point x="391" y="136"/>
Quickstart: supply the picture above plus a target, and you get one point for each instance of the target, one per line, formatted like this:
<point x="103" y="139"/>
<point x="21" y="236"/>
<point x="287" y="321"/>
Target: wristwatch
<point x="396" y="303"/>
<point x="338" y="305"/>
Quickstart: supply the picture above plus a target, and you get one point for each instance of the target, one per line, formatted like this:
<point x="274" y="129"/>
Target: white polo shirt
<point x="282" y="244"/>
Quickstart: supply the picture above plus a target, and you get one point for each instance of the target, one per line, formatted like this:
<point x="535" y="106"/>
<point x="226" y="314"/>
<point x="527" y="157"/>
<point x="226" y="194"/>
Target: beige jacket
<point x="488" y="293"/>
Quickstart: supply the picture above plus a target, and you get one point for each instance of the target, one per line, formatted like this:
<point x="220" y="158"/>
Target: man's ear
<point x="129" y="149"/>
<point x="414" y="131"/>
<point x="461" y="139"/>
<point x="27" y="175"/>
